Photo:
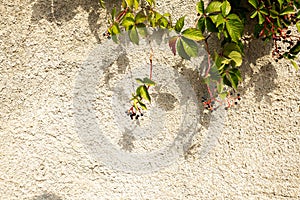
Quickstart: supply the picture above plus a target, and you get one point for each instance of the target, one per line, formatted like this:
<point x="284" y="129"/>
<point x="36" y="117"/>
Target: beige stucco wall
<point x="43" y="156"/>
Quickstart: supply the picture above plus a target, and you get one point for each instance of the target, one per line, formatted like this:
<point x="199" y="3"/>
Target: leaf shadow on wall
<point x="62" y="11"/>
<point x="263" y="77"/>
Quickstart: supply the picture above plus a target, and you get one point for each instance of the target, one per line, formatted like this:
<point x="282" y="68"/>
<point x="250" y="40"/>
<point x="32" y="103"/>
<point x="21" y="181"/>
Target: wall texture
<point x="44" y="46"/>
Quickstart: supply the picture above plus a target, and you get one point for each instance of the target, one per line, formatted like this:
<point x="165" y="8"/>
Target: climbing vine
<point x="224" y="18"/>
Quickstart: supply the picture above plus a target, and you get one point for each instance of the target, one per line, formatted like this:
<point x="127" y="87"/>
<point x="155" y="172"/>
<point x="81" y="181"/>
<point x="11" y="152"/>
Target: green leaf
<point x="280" y="3"/>
<point x="220" y="20"/>
<point x="115" y="29"/>
<point x="148" y="82"/>
<point x="102" y="3"/>
<point x="200" y="7"/>
<point x="253" y="14"/>
<point x="236" y="57"/>
<point x="295" y="65"/>
<point x="163" y="22"/>
<point x="295" y="49"/>
<point x="298" y="26"/>
<point x="214" y="6"/>
<point x="172" y="44"/>
<point x="140" y="81"/>
<point x="274" y="14"/>
<point x="133" y="35"/>
<point x="201" y="24"/>
<point x="265" y="11"/>
<point x="211" y="27"/>
<point x="181" y="51"/>
<point x="261" y="18"/>
<point x="229" y="47"/>
<point x="254" y="3"/>
<point x="193" y="34"/>
<point x="128" y="22"/>
<point x="188" y="49"/>
<point x="234" y="27"/>
<point x="225" y="8"/>
<point x="223" y="95"/>
<point x="143" y="106"/>
<point x="113" y="13"/>
<point x="142" y="30"/>
<point x="287" y="11"/>
<point x="140" y="17"/>
<point x="136" y="4"/>
<point x="179" y="24"/>
<point x="144" y="93"/>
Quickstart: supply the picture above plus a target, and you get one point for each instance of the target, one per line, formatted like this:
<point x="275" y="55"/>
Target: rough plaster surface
<point x="256" y="156"/>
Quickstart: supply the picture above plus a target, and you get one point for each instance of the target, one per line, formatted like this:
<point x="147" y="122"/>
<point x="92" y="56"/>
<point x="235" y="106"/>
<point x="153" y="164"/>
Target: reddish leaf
<point x="172" y="44"/>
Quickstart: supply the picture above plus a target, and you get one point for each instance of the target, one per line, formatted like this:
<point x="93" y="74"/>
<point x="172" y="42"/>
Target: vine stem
<point x="209" y="65"/>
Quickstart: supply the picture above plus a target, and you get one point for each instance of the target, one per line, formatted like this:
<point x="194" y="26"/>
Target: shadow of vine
<point x="62" y="11"/>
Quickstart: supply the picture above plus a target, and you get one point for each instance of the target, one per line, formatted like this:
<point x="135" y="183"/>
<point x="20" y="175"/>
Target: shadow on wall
<point x="262" y="80"/>
<point x="62" y="11"/>
<point x="47" y="196"/>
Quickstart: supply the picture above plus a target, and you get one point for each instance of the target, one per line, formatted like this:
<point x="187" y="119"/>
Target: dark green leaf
<point x="211" y="27"/>
<point x="201" y="24"/>
<point x="193" y="34"/>
<point x="143" y="106"/>
<point x="265" y="11"/>
<point x="295" y="49"/>
<point x="287" y="11"/>
<point x="179" y="24"/>
<point x="113" y="13"/>
<point x="280" y="3"/>
<point x="274" y="14"/>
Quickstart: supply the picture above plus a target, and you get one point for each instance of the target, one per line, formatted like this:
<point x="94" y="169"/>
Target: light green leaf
<point x="102" y="3"/>
<point x="253" y="14"/>
<point x="193" y="34"/>
<point x="190" y="47"/>
<point x="225" y="8"/>
<point x="144" y="93"/>
<point x="179" y="24"/>
<point x="298" y="26"/>
<point x="128" y="22"/>
<point x="223" y="95"/>
<point x="115" y="29"/>
<point x="136" y="4"/>
<point x="234" y="27"/>
<point x="133" y="35"/>
<point x="220" y="20"/>
<point x="200" y="7"/>
<point x="140" y="81"/>
<point x="261" y="19"/>
<point x="254" y="3"/>
<point x="236" y="57"/>
<point x="295" y="65"/>
<point x="280" y="3"/>
<point x="287" y="11"/>
<point x="214" y="6"/>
